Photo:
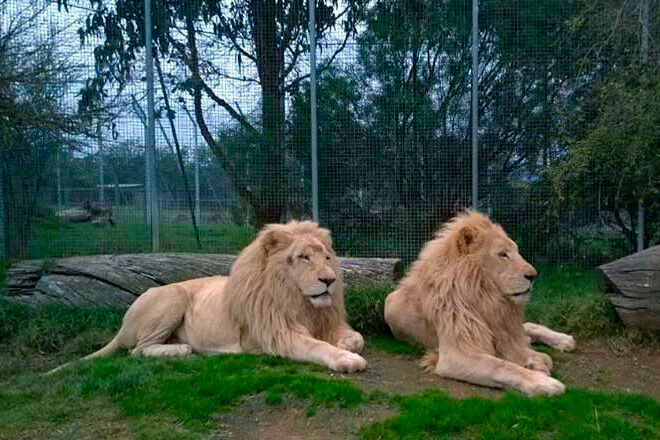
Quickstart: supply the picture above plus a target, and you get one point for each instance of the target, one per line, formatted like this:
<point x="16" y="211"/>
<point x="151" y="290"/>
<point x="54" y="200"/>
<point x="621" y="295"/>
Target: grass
<point x="155" y="394"/>
<point x="51" y="238"/>
<point x="164" y="398"/>
<point x="570" y="298"/>
<point x="575" y="415"/>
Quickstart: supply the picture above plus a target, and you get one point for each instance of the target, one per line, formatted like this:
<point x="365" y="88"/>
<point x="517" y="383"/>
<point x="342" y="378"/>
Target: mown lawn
<point x="123" y="397"/>
<point x="50" y="238"/>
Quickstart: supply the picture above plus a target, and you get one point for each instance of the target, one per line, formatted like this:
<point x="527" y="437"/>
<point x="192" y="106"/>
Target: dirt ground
<point x="254" y="419"/>
<point x="594" y="365"/>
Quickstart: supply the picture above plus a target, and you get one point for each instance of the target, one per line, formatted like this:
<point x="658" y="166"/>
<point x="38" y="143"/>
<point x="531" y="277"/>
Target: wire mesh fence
<point x="568" y="156"/>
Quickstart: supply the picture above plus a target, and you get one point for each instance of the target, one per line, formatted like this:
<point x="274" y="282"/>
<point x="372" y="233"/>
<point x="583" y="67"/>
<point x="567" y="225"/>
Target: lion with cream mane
<point x="463" y="300"/>
<point x="284" y="296"/>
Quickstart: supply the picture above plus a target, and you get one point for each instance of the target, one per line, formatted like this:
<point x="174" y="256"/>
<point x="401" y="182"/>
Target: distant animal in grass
<point x="284" y="296"/>
<point x="463" y="301"/>
<point x="88" y="213"/>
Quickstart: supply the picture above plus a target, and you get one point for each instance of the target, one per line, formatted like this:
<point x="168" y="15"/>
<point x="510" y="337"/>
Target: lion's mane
<point x="268" y="306"/>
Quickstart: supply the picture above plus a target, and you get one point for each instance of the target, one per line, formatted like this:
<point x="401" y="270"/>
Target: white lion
<point x="284" y="296"/>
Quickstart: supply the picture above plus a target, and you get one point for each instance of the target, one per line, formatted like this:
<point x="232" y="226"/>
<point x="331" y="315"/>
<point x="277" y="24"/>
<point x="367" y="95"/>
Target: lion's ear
<point x="467" y="235"/>
<point x="275" y="237"/>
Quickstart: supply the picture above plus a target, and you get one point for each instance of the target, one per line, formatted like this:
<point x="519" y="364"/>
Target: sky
<point x="62" y="26"/>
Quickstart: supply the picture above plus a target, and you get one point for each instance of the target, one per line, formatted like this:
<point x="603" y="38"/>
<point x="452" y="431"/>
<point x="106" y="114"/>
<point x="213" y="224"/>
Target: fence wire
<point x="564" y="171"/>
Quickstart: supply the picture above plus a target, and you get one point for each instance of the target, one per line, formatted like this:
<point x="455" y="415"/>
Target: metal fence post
<point x="150" y="134"/>
<point x="313" y="122"/>
<point x="99" y="143"/>
<point x="197" y="203"/>
<point x="475" y="102"/>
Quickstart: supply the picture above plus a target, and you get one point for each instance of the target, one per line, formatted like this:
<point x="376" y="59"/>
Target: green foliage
<point x="48" y="329"/>
<point x="575" y="415"/>
<point x="617" y="163"/>
<point x="365" y="308"/>
<point x="570" y="299"/>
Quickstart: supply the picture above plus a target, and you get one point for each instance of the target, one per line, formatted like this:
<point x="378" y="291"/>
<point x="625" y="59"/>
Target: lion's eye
<point x="304" y="257"/>
<point x="327" y="257"/>
<point x="503" y="254"/>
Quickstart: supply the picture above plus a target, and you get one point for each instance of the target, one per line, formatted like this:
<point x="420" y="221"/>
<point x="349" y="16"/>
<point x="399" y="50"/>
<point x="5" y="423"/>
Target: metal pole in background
<point x="475" y="102"/>
<point x="99" y="143"/>
<point x="197" y="207"/>
<point x="150" y="133"/>
<point x="58" y="175"/>
<point x="312" y="90"/>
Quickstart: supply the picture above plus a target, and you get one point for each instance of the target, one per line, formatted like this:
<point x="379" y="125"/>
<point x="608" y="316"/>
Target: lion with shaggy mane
<point x="463" y="300"/>
<point x="284" y="296"/>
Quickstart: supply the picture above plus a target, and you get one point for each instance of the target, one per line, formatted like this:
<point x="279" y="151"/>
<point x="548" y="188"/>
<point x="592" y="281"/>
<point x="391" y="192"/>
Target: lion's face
<point x="313" y="268"/>
<point x="513" y="275"/>
<point x="303" y="254"/>
<point x="498" y="256"/>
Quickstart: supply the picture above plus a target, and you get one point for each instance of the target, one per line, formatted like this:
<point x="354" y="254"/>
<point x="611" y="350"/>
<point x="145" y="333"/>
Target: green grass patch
<point x="50" y="238"/>
<point x="569" y="299"/>
<point x="575" y="415"/>
<point x="365" y="308"/>
<point x="183" y="393"/>
<point x="388" y="344"/>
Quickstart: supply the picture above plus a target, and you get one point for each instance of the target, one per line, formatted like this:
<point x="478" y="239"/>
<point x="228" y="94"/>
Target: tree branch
<point x="182" y="168"/>
<point x="197" y="85"/>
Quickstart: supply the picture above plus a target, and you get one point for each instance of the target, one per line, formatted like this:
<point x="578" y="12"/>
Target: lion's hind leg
<point x="155" y="320"/>
<point x="164" y="350"/>
<point x="551" y="338"/>
<point x="406" y="322"/>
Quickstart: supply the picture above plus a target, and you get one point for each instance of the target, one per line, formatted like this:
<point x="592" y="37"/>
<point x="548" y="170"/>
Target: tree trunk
<point x="117" y="280"/>
<point x="17" y="204"/>
<point x="270" y="66"/>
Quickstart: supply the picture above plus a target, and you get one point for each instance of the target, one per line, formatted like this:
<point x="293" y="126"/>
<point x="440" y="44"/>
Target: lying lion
<point x="284" y="296"/>
<point x="463" y="300"/>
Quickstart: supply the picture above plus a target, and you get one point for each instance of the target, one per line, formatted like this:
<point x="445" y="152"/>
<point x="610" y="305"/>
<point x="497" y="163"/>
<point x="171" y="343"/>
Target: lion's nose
<point x="327" y="281"/>
<point x="531" y="276"/>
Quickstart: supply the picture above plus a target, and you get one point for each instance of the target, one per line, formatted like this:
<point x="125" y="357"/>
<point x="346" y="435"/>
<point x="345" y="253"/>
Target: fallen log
<point x="633" y="287"/>
<point x="117" y="280"/>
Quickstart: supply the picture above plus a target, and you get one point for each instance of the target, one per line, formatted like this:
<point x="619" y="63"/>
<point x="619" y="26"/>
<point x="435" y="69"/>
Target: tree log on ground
<point x="117" y="280"/>
<point x="633" y="287"/>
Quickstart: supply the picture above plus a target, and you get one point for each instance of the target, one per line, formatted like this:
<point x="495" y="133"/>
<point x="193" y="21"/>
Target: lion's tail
<point x="429" y="361"/>
<point x="110" y="348"/>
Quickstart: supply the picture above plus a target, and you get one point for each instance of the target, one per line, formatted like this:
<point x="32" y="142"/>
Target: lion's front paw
<point x="347" y="362"/>
<point x="539" y="362"/>
<point x="564" y="343"/>
<point x="542" y="385"/>
<point x="352" y="342"/>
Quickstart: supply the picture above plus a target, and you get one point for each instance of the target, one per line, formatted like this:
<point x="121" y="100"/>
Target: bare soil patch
<point x="254" y="419"/>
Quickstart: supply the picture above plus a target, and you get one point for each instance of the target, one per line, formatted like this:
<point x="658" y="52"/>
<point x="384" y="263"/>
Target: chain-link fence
<point x="567" y="109"/>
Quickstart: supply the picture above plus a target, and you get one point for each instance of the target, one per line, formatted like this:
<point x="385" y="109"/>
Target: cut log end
<point x="633" y="287"/>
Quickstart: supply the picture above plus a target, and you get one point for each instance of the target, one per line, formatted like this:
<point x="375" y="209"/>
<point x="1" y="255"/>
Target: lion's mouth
<point x="523" y="293"/>
<point x="321" y="295"/>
